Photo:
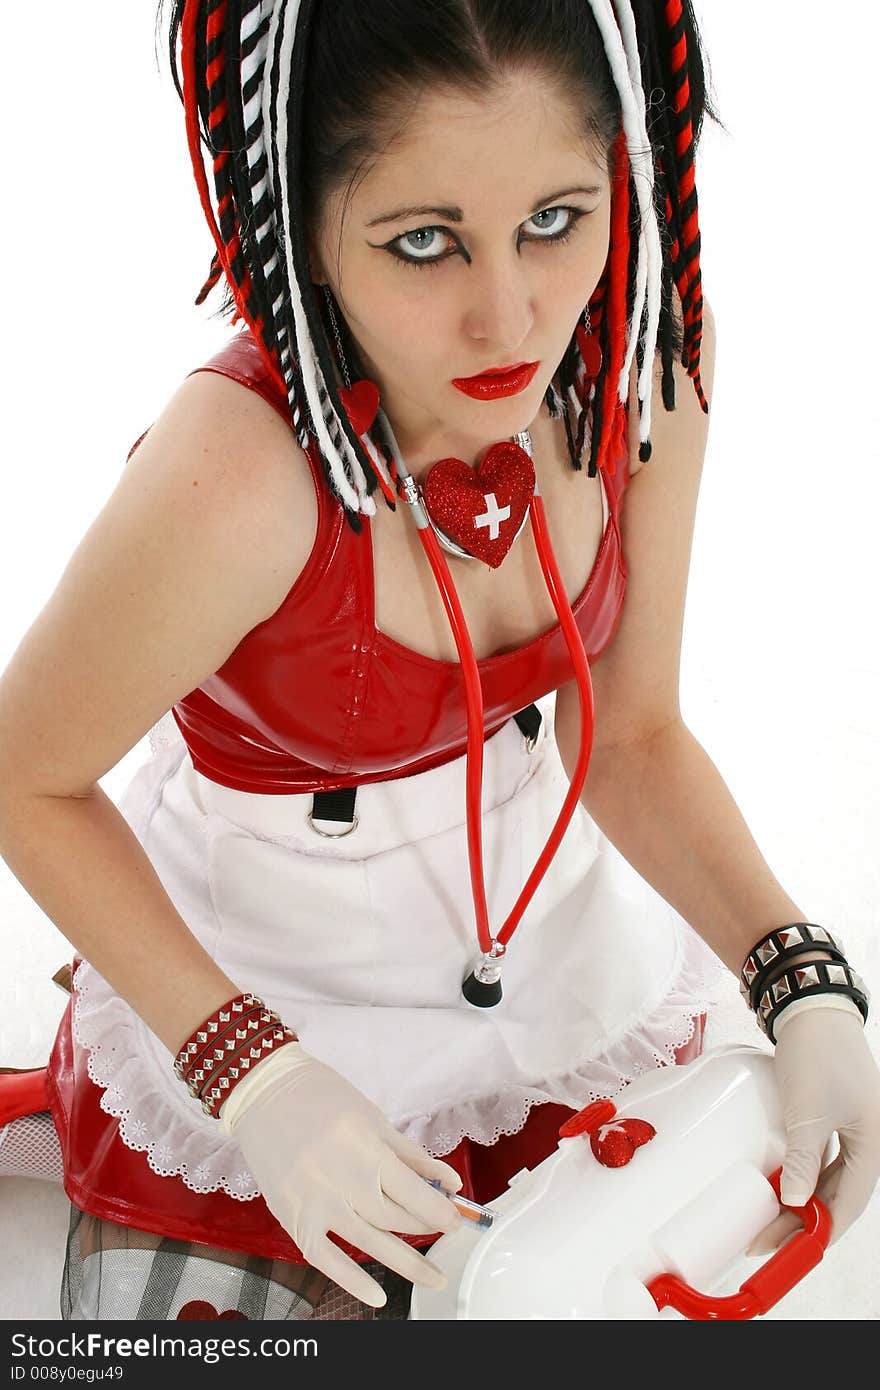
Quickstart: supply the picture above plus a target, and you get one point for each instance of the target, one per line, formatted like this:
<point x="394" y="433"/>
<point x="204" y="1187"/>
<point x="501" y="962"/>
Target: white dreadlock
<point x="623" y="57"/>
<point x="312" y="377"/>
<point x="649" y="231"/>
<point x="255" y="124"/>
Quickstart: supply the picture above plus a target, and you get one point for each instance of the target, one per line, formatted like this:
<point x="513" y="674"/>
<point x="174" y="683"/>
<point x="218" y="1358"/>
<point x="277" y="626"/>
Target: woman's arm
<point x="663" y="803"/>
<point x="651" y="787"/>
<point x="198" y="543"/>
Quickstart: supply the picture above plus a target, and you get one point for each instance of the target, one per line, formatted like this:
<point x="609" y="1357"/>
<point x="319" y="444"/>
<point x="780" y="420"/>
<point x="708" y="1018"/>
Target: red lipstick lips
<point x="488" y="385"/>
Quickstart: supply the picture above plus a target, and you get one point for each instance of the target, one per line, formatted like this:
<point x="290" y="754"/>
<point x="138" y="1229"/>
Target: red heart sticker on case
<point x="614" y="1144"/>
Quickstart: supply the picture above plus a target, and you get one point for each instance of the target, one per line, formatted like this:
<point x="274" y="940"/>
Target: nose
<point x="499" y="312"/>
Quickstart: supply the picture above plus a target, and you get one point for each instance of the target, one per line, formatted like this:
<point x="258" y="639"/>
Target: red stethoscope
<point x="482" y="987"/>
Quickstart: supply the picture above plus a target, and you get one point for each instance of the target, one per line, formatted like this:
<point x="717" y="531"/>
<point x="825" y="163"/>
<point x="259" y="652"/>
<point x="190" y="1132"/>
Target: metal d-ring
<point x="329" y="834"/>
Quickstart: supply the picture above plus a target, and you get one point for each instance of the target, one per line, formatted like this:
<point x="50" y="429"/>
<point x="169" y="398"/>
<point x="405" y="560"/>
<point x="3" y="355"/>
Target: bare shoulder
<point x="229" y="448"/>
<point x="688" y="416"/>
<point x="208" y="527"/>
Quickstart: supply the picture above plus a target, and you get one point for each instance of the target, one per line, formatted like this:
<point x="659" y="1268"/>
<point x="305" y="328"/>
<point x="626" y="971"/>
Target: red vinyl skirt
<point x="106" y="1178"/>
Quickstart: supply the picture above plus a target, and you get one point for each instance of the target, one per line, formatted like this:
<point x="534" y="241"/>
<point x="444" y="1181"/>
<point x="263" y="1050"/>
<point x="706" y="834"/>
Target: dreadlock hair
<point x="293" y="99"/>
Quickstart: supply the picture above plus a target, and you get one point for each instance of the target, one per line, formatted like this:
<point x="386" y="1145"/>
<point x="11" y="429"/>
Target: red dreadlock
<point x="228" y="242"/>
<point x="687" y="258"/>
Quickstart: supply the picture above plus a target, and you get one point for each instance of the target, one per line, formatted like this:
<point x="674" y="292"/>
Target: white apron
<point x="362" y="942"/>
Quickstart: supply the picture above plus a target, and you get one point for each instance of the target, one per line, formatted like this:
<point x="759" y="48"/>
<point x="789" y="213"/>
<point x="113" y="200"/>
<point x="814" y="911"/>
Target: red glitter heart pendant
<point x="482" y="508"/>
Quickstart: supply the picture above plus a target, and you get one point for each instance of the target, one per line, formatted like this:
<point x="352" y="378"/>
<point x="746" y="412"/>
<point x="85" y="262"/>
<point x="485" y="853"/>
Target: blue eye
<point x="555" y="239"/>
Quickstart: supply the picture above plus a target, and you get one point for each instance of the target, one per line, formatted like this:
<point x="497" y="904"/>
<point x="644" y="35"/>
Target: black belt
<point x="338" y="805"/>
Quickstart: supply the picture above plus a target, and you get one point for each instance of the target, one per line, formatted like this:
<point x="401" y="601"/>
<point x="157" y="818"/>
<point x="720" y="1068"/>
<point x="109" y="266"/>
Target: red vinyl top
<point x="316" y="698"/>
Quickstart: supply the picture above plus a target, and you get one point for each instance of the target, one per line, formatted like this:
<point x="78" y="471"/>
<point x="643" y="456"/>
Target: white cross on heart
<point x="492" y="516"/>
<point x="453" y="492"/>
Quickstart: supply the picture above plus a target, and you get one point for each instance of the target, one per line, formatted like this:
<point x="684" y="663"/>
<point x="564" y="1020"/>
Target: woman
<point x="304" y="651"/>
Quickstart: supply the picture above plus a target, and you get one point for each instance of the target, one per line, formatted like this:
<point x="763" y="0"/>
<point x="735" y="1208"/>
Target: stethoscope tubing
<point x="474" y="697"/>
<point x="474" y="702"/>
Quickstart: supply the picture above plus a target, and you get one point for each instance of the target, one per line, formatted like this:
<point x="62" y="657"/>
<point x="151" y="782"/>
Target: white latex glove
<point x="828" y="1081"/>
<point x="326" y="1159"/>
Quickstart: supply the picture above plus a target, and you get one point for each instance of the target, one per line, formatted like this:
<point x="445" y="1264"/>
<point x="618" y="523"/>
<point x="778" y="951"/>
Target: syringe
<point x="481" y="1216"/>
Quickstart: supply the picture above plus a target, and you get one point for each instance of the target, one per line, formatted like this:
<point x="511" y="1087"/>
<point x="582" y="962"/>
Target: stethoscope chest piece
<point x="482" y="987"/>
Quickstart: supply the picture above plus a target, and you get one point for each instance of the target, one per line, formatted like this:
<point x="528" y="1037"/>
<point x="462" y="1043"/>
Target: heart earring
<point x="361" y="400"/>
<point x="340" y="351"/>
<point x="591" y="355"/>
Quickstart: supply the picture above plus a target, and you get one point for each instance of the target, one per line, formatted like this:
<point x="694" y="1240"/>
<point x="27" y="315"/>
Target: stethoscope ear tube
<point x="483" y="986"/>
<point x="474" y="699"/>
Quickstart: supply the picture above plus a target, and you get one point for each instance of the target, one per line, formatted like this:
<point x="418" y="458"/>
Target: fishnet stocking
<point x="29" y="1148"/>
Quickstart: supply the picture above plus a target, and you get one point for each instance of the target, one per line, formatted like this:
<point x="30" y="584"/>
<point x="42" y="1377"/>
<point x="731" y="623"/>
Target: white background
<point x="104" y="248"/>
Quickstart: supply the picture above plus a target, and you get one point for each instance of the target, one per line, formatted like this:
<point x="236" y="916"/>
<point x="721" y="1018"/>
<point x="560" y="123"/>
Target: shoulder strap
<point x="242" y="360"/>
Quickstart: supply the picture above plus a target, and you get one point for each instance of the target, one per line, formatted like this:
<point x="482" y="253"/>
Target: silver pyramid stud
<point x="858" y="982"/>
<point x="819" y="934"/>
<point x="767" y="952"/>
<point x="806" y="976"/>
<point x="836" y="975"/>
<point x="781" y="989"/>
<point x="750" y="970"/>
<point x="765" y="1008"/>
<point x="790" y="936"/>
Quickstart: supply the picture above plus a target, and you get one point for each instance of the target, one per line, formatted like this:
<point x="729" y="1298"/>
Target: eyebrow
<point x="456" y="214"/>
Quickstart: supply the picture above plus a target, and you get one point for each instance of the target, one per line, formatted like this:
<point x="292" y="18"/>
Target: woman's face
<point x="504" y="242"/>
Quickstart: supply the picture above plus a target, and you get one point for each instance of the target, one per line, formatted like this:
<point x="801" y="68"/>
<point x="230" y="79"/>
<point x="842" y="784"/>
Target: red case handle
<point x="769" y="1284"/>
